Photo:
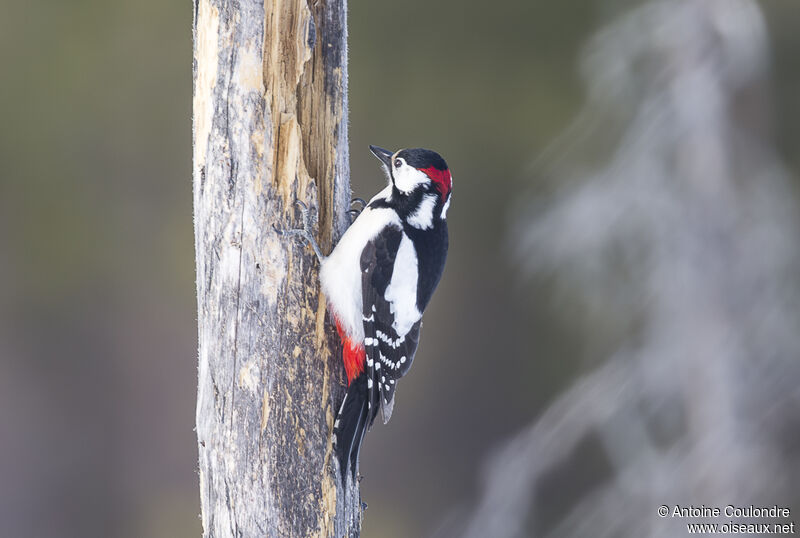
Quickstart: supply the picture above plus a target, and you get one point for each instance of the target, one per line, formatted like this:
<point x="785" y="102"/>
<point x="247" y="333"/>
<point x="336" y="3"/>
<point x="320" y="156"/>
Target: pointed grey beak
<point x="383" y="154"/>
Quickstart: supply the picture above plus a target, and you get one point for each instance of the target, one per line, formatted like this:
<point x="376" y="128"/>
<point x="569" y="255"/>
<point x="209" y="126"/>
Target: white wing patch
<point x="401" y="293"/>
<point x="422" y="218"/>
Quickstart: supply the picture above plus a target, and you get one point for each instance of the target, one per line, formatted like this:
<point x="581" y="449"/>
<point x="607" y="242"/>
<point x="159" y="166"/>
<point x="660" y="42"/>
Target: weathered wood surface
<point x="270" y="126"/>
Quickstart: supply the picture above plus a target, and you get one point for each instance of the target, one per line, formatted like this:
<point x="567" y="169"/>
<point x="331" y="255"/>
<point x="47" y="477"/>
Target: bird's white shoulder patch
<point x="401" y="292"/>
<point x="422" y="218"/>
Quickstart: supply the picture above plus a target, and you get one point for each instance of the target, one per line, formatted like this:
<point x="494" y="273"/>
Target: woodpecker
<point x="378" y="280"/>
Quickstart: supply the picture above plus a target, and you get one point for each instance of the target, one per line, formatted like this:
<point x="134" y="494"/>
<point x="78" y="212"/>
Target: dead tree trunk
<point x="270" y="126"/>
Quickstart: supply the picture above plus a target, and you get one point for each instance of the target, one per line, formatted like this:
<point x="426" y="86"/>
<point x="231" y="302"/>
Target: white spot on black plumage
<point x="377" y="366"/>
<point x="373" y="308"/>
<point x="391" y="381"/>
<point x="388" y="340"/>
<point x="369" y="383"/>
<point x="387" y="386"/>
<point x="402" y="360"/>
<point x="369" y="363"/>
<point x="383" y="379"/>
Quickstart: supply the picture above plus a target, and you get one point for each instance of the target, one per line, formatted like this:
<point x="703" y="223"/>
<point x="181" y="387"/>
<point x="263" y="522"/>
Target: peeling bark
<point x="270" y="126"/>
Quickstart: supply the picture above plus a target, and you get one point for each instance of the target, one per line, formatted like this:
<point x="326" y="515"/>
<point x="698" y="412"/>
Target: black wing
<point x="389" y="354"/>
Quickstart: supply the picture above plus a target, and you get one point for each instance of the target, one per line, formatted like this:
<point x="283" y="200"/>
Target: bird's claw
<point x="304" y="231"/>
<point x="354" y="213"/>
<point x="304" y="215"/>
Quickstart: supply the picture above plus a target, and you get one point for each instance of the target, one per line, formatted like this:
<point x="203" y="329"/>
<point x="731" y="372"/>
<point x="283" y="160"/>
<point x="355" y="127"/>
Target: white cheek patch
<point x="407" y="178"/>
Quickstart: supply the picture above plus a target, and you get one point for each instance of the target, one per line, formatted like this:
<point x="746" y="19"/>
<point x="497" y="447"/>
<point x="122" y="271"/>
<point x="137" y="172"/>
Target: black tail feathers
<point x="354" y="418"/>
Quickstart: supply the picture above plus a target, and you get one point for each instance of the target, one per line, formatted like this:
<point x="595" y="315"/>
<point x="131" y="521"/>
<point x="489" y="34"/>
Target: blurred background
<point x="617" y="326"/>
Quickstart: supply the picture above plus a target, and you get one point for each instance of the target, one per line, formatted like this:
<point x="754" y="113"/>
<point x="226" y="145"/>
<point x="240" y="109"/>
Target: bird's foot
<point x="304" y="232"/>
<point x="354" y="213"/>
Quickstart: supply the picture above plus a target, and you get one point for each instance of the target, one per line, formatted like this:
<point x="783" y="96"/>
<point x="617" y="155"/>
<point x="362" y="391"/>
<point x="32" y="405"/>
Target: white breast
<point x="340" y="274"/>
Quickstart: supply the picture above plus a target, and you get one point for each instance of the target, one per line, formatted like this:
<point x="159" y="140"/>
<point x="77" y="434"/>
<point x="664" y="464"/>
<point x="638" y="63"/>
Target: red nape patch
<point x="442" y="179"/>
<point x="353" y="355"/>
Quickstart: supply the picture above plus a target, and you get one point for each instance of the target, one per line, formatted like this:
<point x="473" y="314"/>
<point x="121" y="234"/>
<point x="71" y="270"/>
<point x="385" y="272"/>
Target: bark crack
<point x="238" y="313"/>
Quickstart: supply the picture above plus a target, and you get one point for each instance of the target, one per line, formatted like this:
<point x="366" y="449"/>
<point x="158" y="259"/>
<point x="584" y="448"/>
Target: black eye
<point x="398" y="163"/>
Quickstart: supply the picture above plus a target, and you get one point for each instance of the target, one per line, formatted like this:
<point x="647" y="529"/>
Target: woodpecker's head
<point x="417" y="172"/>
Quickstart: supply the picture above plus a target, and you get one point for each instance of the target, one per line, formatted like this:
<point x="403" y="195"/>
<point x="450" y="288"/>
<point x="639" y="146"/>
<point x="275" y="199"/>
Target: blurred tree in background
<point x="97" y="308"/>
<point x="684" y="245"/>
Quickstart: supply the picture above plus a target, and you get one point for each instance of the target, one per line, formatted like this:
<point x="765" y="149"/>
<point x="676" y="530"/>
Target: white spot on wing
<point x="388" y="340"/>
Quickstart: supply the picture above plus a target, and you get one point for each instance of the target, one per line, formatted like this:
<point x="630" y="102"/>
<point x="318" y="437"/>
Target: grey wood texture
<point x="269" y="127"/>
